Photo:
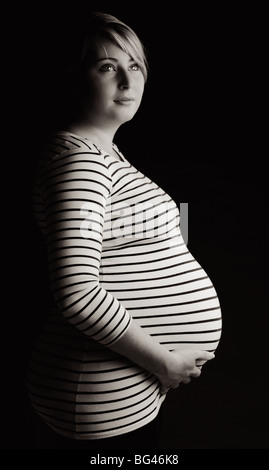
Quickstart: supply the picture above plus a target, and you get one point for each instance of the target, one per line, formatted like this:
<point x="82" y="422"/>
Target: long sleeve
<point x="112" y="245"/>
<point x="75" y="189"/>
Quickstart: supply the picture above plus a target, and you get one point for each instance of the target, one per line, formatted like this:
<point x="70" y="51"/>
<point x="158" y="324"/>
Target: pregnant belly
<point x="173" y="299"/>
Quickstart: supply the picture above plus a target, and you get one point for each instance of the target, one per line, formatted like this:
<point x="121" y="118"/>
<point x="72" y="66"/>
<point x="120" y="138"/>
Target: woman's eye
<point x="112" y="68"/>
<point x="107" y="68"/>
<point x="135" y="67"/>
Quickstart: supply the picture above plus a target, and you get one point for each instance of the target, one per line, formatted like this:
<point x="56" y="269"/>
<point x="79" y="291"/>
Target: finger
<point x="200" y="363"/>
<point x="165" y="390"/>
<point x="204" y="355"/>
<point x="186" y="381"/>
<point x="195" y="373"/>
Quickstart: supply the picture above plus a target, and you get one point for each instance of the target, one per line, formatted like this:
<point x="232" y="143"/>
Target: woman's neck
<point x="103" y="138"/>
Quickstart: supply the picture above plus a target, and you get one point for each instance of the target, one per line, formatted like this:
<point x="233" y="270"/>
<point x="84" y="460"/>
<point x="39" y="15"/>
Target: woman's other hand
<point x="182" y="367"/>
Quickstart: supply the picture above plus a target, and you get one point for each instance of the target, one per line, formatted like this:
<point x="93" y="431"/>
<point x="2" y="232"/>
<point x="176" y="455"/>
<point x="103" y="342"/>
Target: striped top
<point x="116" y="255"/>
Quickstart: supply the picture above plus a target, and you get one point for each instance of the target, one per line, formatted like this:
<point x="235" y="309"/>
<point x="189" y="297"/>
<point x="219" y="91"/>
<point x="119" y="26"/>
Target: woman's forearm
<point x="171" y="368"/>
<point x="142" y="349"/>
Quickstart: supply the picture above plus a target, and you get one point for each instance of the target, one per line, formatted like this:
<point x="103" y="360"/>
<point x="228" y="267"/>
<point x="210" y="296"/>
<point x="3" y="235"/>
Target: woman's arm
<point x="75" y="190"/>
<point x="75" y="187"/>
<point x="171" y="368"/>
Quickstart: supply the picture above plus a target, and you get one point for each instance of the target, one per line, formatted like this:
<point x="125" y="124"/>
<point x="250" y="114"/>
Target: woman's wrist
<point x="142" y="349"/>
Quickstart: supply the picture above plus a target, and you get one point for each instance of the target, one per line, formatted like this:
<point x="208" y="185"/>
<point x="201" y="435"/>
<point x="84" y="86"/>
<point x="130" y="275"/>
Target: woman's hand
<point x="171" y="368"/>
<point x="183" y="365"/>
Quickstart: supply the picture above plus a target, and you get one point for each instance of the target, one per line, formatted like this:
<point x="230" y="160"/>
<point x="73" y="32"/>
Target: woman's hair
<point x="71" y="44"/>
<point x="102" y="25"/>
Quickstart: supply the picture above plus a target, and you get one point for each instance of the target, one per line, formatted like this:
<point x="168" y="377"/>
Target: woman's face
<point x="114" y="85"/>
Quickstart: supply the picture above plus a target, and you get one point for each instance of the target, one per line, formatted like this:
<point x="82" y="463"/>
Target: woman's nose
<point x="124" y="80"/>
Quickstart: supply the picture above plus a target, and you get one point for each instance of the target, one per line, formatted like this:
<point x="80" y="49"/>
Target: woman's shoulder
<point x="64" y="152"/>
<point x="64" y="141"/>
<point x="62" y="144"/>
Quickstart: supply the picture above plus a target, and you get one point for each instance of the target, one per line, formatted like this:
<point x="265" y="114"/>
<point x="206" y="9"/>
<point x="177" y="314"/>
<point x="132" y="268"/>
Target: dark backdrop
<point x="199" y="134"/>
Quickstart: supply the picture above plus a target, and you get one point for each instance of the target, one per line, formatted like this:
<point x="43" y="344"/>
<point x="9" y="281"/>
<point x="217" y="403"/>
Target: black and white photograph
<point x="138" y="317"/>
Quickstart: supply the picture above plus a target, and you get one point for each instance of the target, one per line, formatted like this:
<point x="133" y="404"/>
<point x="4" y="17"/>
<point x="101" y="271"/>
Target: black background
<point x="200" y="134"/>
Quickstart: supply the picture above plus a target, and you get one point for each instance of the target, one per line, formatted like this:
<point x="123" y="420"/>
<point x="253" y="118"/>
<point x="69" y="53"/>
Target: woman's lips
<point x="124" y="101"/>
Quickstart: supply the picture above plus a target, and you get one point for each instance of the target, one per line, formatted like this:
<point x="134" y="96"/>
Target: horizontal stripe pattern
<point x="116" y="255"/>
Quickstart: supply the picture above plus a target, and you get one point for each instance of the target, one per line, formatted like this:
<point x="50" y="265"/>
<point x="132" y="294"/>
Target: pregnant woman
<point x="134" y="314"/>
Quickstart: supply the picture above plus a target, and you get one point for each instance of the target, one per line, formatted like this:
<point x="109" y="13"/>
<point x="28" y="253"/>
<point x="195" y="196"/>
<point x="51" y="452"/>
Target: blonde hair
<point x="103" y="25"/>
